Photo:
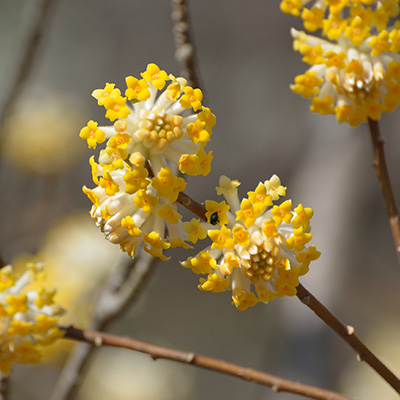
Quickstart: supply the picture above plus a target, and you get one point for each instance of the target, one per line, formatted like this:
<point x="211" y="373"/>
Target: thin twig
<point x="347" y="334"/>
<point x="383" y="175"/>
<point x="120" y="292"/>
<point x="35" y="32"/>
<point x="185" y="52"/>
<point x="4" y="387"/>
<point x="277" y="384"/>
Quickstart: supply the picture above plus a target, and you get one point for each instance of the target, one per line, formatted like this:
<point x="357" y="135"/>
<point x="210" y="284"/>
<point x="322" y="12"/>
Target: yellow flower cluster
<point x="28" y="317"/>
<point x="137" y="186"/>
<point x="260" y="249"/>
<point x="355" y="65"/>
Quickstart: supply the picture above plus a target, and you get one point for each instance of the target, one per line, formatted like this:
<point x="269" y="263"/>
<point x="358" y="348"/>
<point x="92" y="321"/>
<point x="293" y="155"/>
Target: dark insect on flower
<point x="214" y="219"/>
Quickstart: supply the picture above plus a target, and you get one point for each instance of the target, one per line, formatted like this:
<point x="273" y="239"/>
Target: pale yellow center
<point x="158" y="129"/>
<point x="264" y="259"/>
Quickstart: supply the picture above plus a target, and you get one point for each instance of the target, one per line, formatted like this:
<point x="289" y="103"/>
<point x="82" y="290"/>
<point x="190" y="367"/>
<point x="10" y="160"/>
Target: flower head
<point x="163" y="123"/>
<point x="164" y="128"/>
<point x="261" y="251"/>
<point x="355" y="67"/>
<point x="28" y="317"/>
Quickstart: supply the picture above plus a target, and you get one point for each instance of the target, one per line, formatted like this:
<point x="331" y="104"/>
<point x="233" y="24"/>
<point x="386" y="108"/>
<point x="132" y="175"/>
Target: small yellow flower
<point x="145" y="201"/>
<point x="129" y="224"/>
<point x="136" y="179"/>
<point x="154" y="245"/>
<point x="203" y="263"/>
<point x="101" y="94"/>
<point x="168" y="185"/>
<point x="156" y="76"/>
<point x="108" y="184"/>
<point x="213" y="283"/>
<point x="249" y="212"/>
<point x="92" y="135"/>
<point x="221" y="209"/>
<point x="192" y="98"/>
<point x="169" y="214"/>
<point x="137" y="89"/>
<point x="115" y="106"/>
<point x="194" y="230"/>
<point x="221" y="238"/>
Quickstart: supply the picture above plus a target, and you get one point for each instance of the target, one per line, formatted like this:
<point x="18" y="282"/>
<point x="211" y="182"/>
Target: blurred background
<point x="246" y="63"/>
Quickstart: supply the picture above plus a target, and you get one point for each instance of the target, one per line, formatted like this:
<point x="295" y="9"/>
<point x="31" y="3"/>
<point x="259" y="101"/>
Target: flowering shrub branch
<point x="348" y="335"/>
<point x="277" y="384"/>
<point x="259" y="249"/>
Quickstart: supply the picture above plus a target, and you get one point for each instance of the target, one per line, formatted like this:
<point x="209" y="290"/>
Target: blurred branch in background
<point x="185" y="52"/>
<point x="35" y="31"/>
<point x="39" y="14"/>
<point x="121" y="290"/>
<point x="382" y="171"/>
<point x="275" y="383"/>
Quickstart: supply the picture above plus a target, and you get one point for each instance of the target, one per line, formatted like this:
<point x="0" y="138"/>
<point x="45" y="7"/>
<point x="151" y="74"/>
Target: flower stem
<point x="277" y="384"/>
<point x="192" y="205"/>
<point x="348" y="335"/>
<point x="4" y="387"/>
<point x="384" y="180"/>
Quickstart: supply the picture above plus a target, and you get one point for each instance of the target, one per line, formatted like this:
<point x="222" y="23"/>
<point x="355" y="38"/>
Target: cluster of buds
<point x="260" y="249"/>
<point x="28" y="316"/>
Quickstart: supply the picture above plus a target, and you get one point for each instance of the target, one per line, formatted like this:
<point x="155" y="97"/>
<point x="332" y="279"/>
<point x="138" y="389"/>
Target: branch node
<point x="275" y="388"/>
<point x="189" y="357"/>
<point x="306" y="299"/>
<point x="350" y="330"/>
<point x="98" y="341"/>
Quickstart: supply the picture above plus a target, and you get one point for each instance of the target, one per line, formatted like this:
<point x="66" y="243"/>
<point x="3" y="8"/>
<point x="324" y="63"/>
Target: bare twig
<point x="275" y="383"/>
<point x="35" y="32"/>
<point x="120" y="292"/>
<point x="185" y="52"/>
<point x="347" y="334"/>
<point x="383" y="175"/>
